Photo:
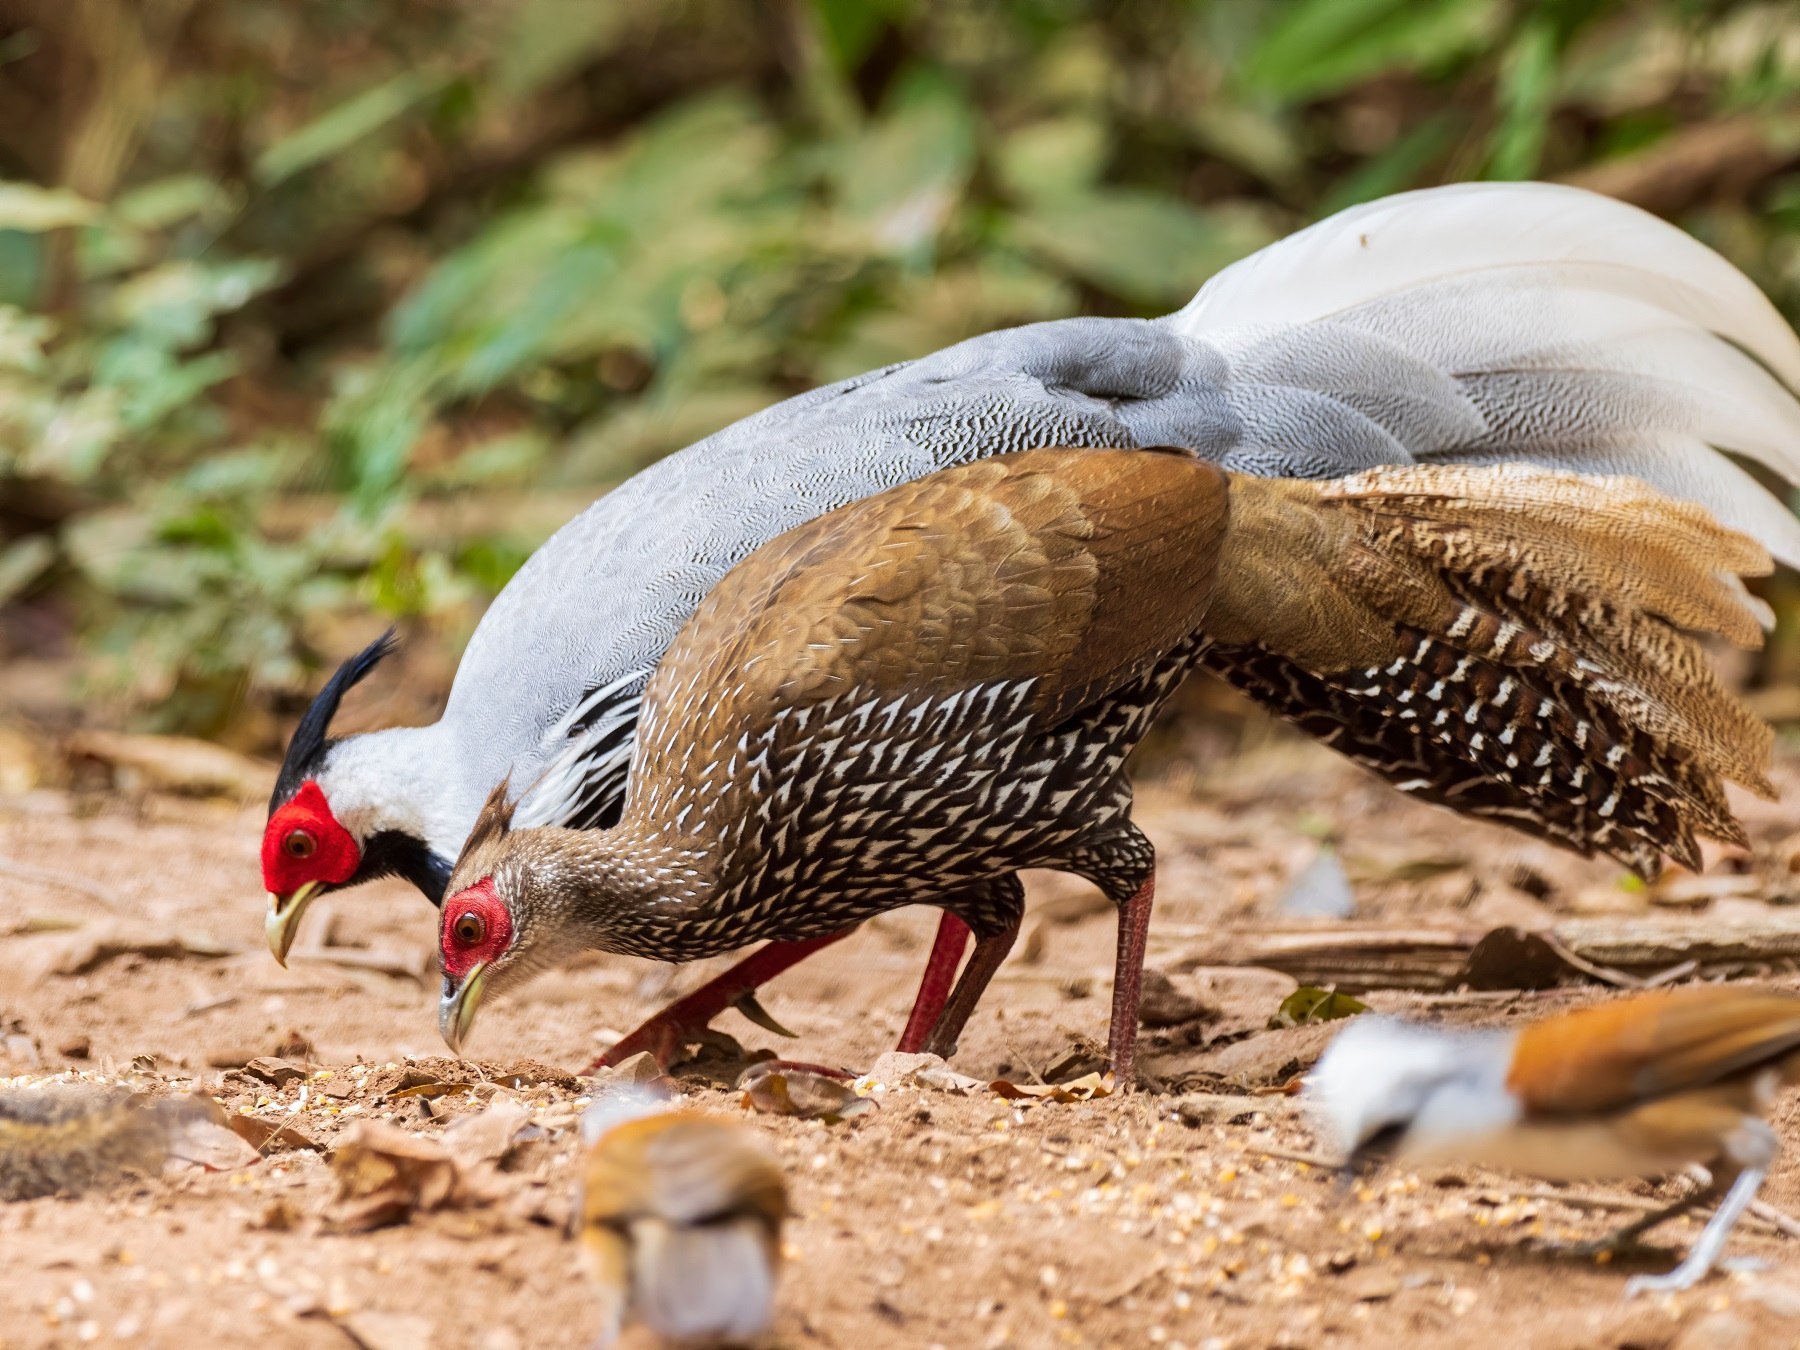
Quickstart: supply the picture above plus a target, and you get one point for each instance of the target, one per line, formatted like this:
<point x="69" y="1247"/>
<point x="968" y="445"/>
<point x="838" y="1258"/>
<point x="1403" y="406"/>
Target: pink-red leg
<point x="939" y="979"/>
<point x="664" y="1034"/>
<point x="989" y="953"/>
<point x="1128" y="976"/>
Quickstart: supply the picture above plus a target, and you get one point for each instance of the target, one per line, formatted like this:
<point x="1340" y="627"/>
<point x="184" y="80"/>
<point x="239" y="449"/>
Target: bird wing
<point x="1509" y="642"/>
<point x="1070" y="571"/>
<point x="1629" y="1050"/>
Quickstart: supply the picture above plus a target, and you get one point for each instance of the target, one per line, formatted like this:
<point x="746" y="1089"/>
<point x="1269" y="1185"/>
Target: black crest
<point x="309" y="741"/>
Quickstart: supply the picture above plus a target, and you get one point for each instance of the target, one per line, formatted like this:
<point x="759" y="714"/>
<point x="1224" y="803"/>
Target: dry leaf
<point x="175" y="764"/>
<point x="898" y="1069"/>
<point x="490" y="1135"/>
<point x="801" y="1090"/>
<point x="1087" y="1088"/>
<point x="202" y="1139"/>
<point x="1309" y="1004"/>
<point x="271" y="1136"/>
<point x="386" y="1175"/>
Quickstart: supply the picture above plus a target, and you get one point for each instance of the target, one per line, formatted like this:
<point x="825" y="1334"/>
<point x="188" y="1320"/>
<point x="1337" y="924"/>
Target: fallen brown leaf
<point x="271" y="1136"/>
<point x="793" y="1090"/>
<point x="385" y="1176"/>
<point x="490" y="1135"/>
<point x="1087" y="1088"/>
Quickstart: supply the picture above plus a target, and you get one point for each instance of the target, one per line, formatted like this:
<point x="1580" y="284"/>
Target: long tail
<point x="1508" y="642"/>
<point x="1495" y="322"/>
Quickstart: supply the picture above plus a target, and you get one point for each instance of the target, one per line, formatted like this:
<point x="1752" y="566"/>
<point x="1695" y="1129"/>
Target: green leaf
<point x="1142" y="246"/>
<point x="349" y="122"/>
<point x="1319" y="47"/>
<point x="1309" y="1004"/>
<point x="1053" y="158"/>
<point x="33" y="209"/>
<point x="1527" y="91"/>
<point x="170" y="201"/>
<point x="903" y="178"/>
<point x="23" y="562"/>
<point x="551" y="40"/>
<point x="1402" y="165"/>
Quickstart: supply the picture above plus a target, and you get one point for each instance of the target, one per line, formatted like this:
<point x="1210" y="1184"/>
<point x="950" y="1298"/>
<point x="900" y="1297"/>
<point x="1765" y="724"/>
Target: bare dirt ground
<point x="131" y="952"/>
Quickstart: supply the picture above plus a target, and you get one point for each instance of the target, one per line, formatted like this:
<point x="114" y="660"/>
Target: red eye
<point x="470" y="929"/>
<point x="299" y="844"/>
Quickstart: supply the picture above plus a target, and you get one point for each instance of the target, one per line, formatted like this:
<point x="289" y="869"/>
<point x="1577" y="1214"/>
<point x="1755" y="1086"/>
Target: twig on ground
<point x="66" y="881"/>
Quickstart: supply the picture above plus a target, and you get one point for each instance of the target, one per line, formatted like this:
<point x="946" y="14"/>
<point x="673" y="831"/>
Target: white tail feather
<point x="1564" y="329"/>
<point x="1413" y="238"/>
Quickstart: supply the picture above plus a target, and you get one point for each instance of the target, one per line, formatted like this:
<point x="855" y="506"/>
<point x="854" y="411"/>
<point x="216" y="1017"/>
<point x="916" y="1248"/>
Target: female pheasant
<point x="908" y="700"/>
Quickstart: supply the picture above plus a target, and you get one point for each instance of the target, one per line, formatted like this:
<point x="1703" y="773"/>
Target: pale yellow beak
<point x="284" y="917"/>
<point x="456" y="1011"/>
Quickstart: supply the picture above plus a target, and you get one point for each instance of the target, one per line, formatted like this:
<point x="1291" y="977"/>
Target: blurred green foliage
<point x="278" y="282"/>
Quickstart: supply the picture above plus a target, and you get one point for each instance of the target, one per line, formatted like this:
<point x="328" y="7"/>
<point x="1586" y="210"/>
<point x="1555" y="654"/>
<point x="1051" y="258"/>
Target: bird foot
<point x="1674" y="1282"/>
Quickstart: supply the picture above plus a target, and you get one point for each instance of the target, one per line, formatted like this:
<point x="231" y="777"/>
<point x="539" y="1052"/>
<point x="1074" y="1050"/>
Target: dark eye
<point x="470" y="930"/>
<point x="299" y="844"/>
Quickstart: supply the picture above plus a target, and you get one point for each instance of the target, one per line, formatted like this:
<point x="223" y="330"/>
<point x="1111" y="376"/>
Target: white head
<point x="1387" y="1088"/>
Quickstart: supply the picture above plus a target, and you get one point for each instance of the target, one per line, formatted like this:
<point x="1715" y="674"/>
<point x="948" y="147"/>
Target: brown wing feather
<point x="1508" y="642"/>
<point x="1074" y="568"/>
<point x="1632" y="1049"/>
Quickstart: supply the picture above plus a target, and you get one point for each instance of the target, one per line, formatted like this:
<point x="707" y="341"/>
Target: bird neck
<point x="627" y="893"/>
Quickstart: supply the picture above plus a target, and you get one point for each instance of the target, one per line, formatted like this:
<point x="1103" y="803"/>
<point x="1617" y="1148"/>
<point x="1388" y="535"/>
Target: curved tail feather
<point x="1494" y="322"/>
<point x="1508" y="642"/>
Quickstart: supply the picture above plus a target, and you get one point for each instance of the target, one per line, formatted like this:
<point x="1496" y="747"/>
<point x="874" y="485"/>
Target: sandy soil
<point x="131" y="951"/>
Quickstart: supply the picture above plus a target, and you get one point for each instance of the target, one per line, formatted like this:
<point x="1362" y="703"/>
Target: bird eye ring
<point x="470" y="930"/>
<point x="300" y="844"/>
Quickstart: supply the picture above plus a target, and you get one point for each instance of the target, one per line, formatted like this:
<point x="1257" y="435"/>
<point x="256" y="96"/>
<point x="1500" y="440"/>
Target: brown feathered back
<point x="1509" y="642"/>
<point x="1078" y="569"/>
<point x="1629" y="1050"/>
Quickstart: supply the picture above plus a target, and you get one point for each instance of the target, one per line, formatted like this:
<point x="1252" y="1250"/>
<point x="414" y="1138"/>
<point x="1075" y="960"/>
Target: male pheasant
<point x="1471" y="324"/>
<point x="908" y="700"/>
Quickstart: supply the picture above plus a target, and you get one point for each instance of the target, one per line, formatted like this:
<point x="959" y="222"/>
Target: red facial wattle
<point x="304" y="843"/>
<point x="476" y="929"/>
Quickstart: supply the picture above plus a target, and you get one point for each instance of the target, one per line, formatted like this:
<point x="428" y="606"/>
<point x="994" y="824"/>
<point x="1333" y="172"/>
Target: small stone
<point x="640" y="1068"/>
<point x="278" y="1216"/>
<point x="1214" y="1108"/>
<point x="278" y="1072"/>
<point x="1163" y="1005"/>
<point x="1372" y="1285"/>
<point x="76" y="1047"/>
<point x="896" y="1066"/>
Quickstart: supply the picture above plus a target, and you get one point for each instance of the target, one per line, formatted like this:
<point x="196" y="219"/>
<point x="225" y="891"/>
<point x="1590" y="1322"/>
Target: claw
<point x="747" y="1004"/>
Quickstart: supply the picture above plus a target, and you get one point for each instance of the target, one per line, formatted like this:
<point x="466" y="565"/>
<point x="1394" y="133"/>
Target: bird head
<point x="499" y="906"/>
<point x="323" y="832"/>
<point x="1392" y="1089"/>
